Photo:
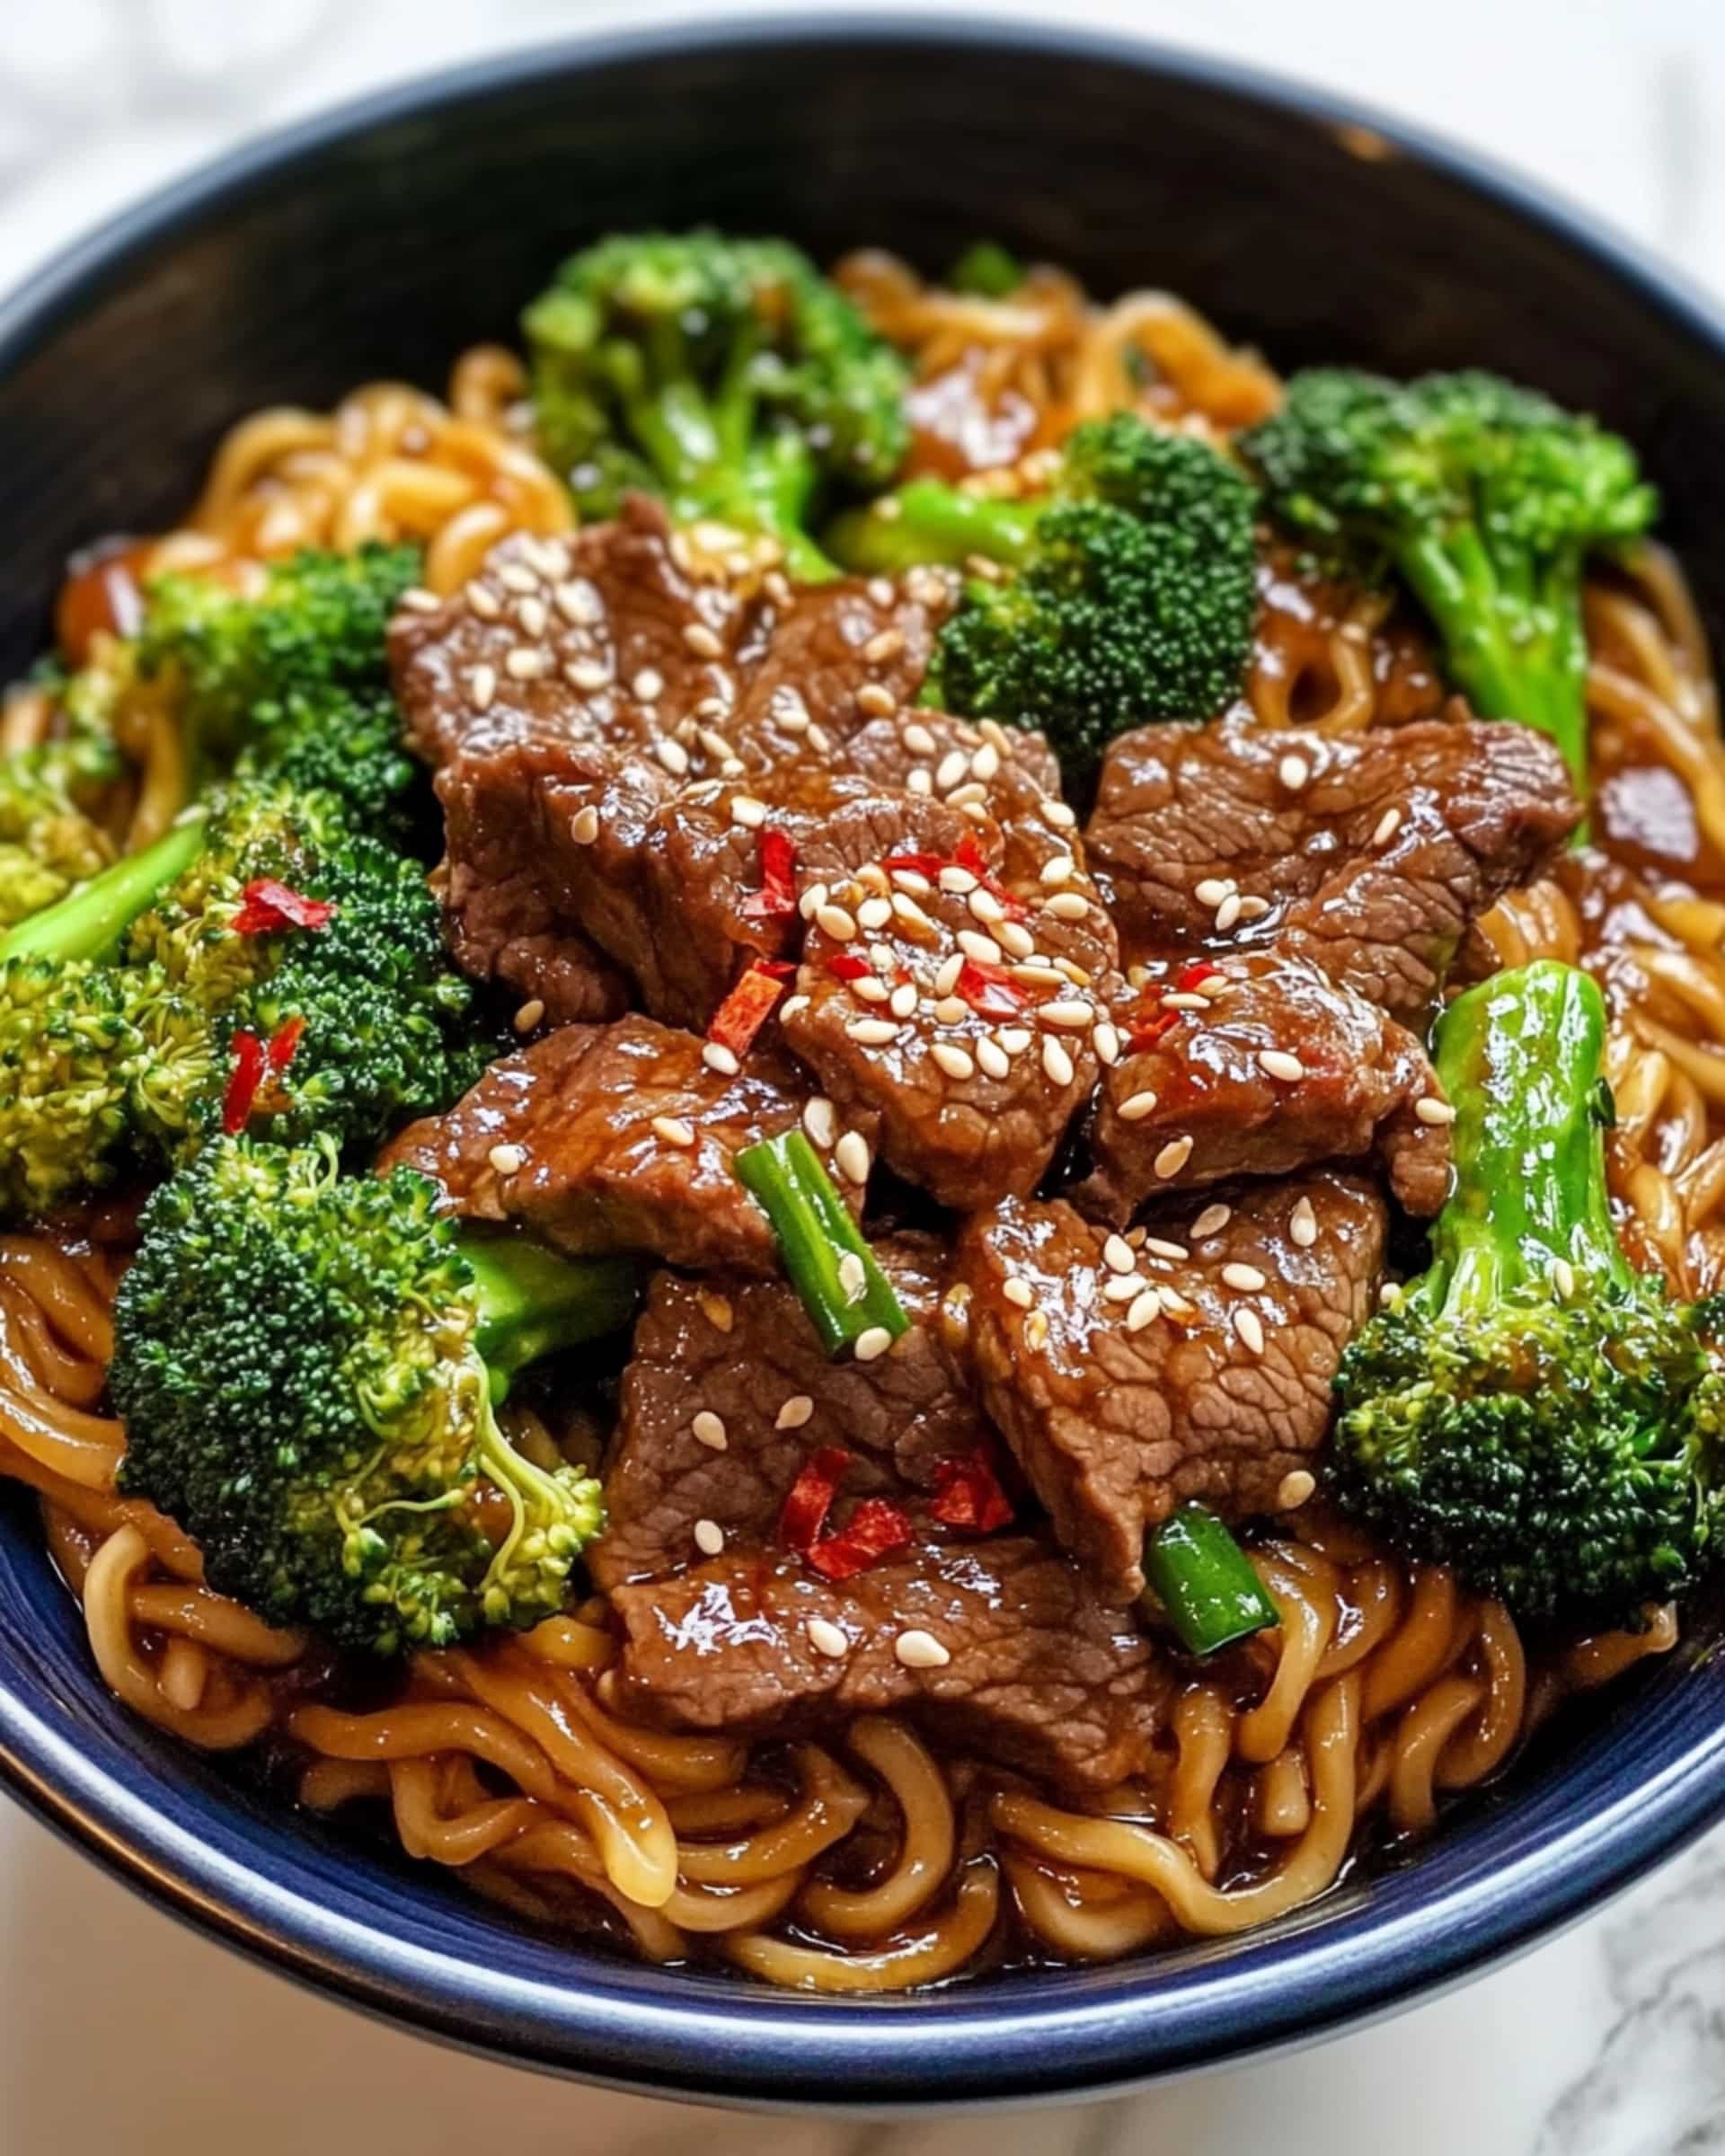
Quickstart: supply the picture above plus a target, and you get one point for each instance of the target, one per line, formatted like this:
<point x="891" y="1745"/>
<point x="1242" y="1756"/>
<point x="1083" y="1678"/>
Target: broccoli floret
<point x="1128" y="591"/>
<point x="49" y="839"/>
<point x="727" y="376"/>
<point x="987" y="270"/>
<point x="307" y="1364"/>
<point x="260" y="967"/>
<point x="1486" y="498"/>
<point x="1531" y="1409"/>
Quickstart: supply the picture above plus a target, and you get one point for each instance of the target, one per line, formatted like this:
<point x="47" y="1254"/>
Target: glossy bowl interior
<point x="378" y="243"/>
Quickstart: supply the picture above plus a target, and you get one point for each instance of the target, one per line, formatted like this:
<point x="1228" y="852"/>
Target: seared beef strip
<point x="969" y="1015"/>
<point x="1119" y="1405"/>
<point x="1039" y="1676"/>
<point x="743" y="1350"/>
<point x="1369" y="852"/>
<point x="618" y="1138"/>
<point x="1260" y="1064"/>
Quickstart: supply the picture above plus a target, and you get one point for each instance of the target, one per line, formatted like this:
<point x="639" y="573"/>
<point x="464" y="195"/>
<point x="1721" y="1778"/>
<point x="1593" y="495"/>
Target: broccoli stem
<point x="532" y="1301"/>
<point x="1521" y="1057"/>
<point x="1203" y="1582"/>
<point x="816" y="1235"/>
<point x="89" y="922"/>
<point x="932" y="522"/>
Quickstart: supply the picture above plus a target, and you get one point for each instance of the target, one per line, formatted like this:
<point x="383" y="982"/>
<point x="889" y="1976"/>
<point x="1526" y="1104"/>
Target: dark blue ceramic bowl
<point x="381" y="240"/>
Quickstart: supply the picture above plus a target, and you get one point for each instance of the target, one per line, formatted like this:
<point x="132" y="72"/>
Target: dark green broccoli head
<point x="1485" y="497"/>
<point x="728" y="375"/>
<point x="1532" y="1410"/>
<point x="300" y="1361"/>
<point x="1128" y="594"/>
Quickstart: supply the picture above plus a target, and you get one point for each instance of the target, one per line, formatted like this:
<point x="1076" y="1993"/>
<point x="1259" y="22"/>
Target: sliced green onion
<point x="987" y="269"/>
<point x="816" y="1235"/>
<point x="1203" y="1582"/>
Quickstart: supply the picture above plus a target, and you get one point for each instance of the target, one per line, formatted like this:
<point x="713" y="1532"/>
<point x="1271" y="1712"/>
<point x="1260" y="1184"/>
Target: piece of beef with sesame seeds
<point x="1192" y="1361"/>
<point x="622" y="1137"/>
<point x="741" y="1350"/>
<point x="970" y="1019"/>
<point x="1257" y="1063"/>
<point x="1370" y="854"/>
<point x="1019" y="1663"/>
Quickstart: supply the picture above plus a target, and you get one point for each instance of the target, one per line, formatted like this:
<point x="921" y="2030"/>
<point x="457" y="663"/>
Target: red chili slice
<point x="967" y="1494"/>
<point x="745" y="1011"/>
<point x="916" y="864"/>
<point x="1193" y="976"/>
<point x="970" y="855"/>
<point x="283" y="1042"/>
<point x="989" y="990"/>
<point x="266" y="905"/>
<point x="848" y="967"/>
<point x="810" y="1499"/>
<point x="243" y="1079"/>
<point x="777" y="896"/>
<point x="873" y="1531"/>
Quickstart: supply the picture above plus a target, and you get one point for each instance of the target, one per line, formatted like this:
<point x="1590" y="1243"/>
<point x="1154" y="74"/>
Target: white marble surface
<point x="118" y="2028"/>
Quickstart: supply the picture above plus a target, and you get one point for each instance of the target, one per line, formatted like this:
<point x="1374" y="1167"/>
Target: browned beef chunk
<point x="1260" y="1064"/>
<point x="744" y="1351"/>
<point x="1037" y="1673"/>
<point x="1368" y="853"/>
<point x="1194" y="1361"/>
<point x="980" y="1015"/>
<point x="615" y="1138"/>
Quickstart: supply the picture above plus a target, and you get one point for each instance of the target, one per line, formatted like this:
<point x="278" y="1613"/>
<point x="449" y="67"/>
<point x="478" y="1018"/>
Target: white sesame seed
<point x="507" y="1160"/>
<point x="1176" y="1305"/>
<point x="795" y="1413"/>
<point x="482" y="686"/>
<point x="1247" y="1279"/>
<point x="1015" y="939"/>
<point x="524" y="665"/>
<point x="530" y="1013"/>
<point x="702" y="641"/>
<point x="1067" y="906"/>
<point x="1056" y="1062"/>
<point x="947" y="979"/>
<point x="1276" y="1062"/>
<point x="1564" y="1278"/>
<point x="870" y="989"/>
<point x="513" y="577"/>
<point x="1185" y="999"/>
<point x="1036" y="1331"/>
<point x="745" y="810"/>
<point x="959" y="881"/>
<point x="1144" y="1308"/>
<point x="875" y="700"/>
<point x="1015" y="1039"/>
<point x="717" y="1311"/>
<point x="826" y="1638"/>
<point x="918" y="741"/>
<point x="1387" y="826"/>
<point x="1294" y="772"/>
<point x="709" y="1430"/>
<point x="1249" y="1328"/>
<point x="792" y="1005"/>
<point x="587" y="674"/>
<point x="820" y="1120"/>
<point x="1118" y="1255"/>
<point x="1172" y="1157"/>
<point x="1017" y="1291"/>
<point x="919" y="780"/>
<point x="646" y="686"/>
<point x="951" y="770"/>
<point x="853" y="1277"/>
<point x="903" y="999"/>
<point x="720" y="1058"/>
<point x="1072" y="1014"/>
<point x="1158" y="1247"/>
<point x="579" y="603"/>
<point x="888" y="645"/>
<point x="1060" y="869"/>
<point x="881" y="591"/>
<point x="532" y="616"/>
<point x="714" y="745"/>
<point x="674" y="757"/>
<point x="1136" y="1106"/>
<point x="983" y="948"/>
<point x="874" y="913"/>
<point x="1432" y="1110"/>
<point x="985" y="906"/>
<point x="673" y="1130"/>
<point x="584" y="826"/>
<point x="1253" y="909"/>
<point x="709" y="1537"/>
<point x="1213" y="891"/>
<point x="872" y="1032"/>
<point x="1059" y="815"/>
<point x="1211" y="1221"/>
<point x="985" y="762"/>
<point x="872" y="1344"/>
<point x="812" y="900"/>
<point x="417" y="600"/>
<point x="954" y="1060"/>
<point x="911" y="913"/>
<point x="1121" y="1288"/>
<point x="836" y="922"/>
<point x="918" y="1649"/>
<point x="484" y="601"/>
<point x="1303" y="1225"/>
<point x="852" y="1156"/>
<point x="1295" y="1487"/>
<point x="992" y="1058"/>
<point x="912" y="880"/>
<point x="1228" y="914"/>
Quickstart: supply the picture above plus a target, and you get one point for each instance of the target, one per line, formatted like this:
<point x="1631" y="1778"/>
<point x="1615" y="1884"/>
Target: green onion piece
<point x="1203" y="1582"/>
<point x="816" y="1235"/>
<point x="988" y="270"/>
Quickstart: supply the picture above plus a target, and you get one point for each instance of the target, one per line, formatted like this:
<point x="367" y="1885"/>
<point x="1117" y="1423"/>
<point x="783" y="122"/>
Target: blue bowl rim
<point x="1020" y="2040"/>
